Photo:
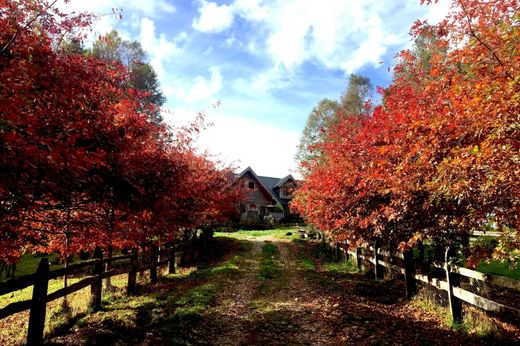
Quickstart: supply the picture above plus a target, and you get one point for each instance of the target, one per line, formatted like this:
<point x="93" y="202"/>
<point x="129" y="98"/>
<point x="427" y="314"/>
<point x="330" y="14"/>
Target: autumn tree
<point x="438" y="159"/>
<point x="315" y="128"/>
<point x="328" y="113"/>
<point x="39" y="124"/>
<point x="143" y="78"/>
<point x="359" y="91"/>
<point x="82" y="164"/>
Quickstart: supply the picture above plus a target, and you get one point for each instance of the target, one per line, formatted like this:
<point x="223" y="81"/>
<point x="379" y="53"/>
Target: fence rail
<point x="97" y="272"/>
<point x="403" y="263"/>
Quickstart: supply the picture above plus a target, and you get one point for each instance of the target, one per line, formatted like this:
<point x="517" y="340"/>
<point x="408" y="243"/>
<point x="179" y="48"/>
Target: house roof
<point x="269" y="183"/>
<point x="284" y="179"/>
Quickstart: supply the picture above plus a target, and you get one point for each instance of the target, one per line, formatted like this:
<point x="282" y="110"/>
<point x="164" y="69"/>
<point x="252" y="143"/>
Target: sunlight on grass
<point x="474" y="322"/>
<point x="60" y="312"/>
<point x="196" y="300"/>
<point x="177" y="299"/>
<point x="278" y="233"/>
<point x="29" y="263"/>
<point x="499" y="268"/>
<point x="268" y="267"/>
<point x="26" y="293"/>
<point x="261" y="305"/>
<point x="340" y="267"/>
<point x="427" y="303"/>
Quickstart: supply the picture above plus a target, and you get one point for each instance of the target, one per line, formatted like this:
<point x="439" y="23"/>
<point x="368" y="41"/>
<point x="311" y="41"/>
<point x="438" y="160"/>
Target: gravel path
<point x="303" y="310"/>
<point x="300" y="304"/>
<point x="228" y="322"/>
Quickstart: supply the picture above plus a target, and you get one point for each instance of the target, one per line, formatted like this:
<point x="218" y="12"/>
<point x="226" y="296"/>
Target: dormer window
<point x="287" y="191"/>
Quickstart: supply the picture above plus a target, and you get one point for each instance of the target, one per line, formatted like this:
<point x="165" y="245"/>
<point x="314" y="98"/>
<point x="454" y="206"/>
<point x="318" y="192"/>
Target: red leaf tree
<point x="439" y="158"/>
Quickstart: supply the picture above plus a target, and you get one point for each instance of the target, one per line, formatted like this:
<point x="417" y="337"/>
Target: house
<point x="264" y="198"/>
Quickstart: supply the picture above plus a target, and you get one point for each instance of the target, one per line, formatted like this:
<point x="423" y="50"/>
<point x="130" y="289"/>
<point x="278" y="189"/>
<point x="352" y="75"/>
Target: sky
<point x="257" y="68"/>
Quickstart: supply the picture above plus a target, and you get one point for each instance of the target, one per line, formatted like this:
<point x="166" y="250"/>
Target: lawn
<point x="499" y="268"/>
<point x="278" y="233"/>
<point x="28" y="264"/>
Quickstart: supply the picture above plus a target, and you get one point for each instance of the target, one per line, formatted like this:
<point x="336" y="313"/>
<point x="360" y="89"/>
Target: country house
<point x="264" y="198"/>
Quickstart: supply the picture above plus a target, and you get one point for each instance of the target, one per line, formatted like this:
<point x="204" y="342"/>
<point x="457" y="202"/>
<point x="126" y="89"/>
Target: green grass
<point x="29" y="263"/>
<point x="474" y="322"/>
<point x="278" y="233"/>
<point x="168" y="307"/>
<point x="340" y="267"/>
<point x="229" y="267"/>
<point x="268" y="267"/>
<point x="60" y="312"/>
<point x="306" y="263"/>
<point x="198" y="299"/>
<point x="54" y="285"/>
<point x="427" y="303"/>
<point x="26" y="293"/>
<point x="488" y="267"/>
<point x="269" y="271"/>
<point x="499" y="268"/>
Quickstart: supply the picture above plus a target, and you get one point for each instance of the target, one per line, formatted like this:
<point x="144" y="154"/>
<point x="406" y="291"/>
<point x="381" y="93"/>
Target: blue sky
<point x="267" y="61"/>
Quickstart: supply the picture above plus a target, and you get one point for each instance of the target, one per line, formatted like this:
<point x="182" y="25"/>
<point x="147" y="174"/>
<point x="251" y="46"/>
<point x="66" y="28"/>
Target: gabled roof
<point x="270" y="191"/>
<point x="284" y="180"/>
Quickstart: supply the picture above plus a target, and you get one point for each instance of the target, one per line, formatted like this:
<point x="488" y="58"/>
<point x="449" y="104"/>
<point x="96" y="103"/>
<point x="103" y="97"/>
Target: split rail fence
<point x="98" y="269"/>
<point x="457" y="282"/>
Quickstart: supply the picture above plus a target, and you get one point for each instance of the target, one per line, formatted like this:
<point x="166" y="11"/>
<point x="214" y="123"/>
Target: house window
<point x="251" y="185"/>
<point x="286" y="191"/>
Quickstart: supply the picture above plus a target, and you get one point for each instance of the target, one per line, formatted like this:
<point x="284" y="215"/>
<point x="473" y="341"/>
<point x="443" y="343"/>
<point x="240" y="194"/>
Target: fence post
<point x="409" y="273"/>
<point x="337" y="252"/>
<point x="347" y="247"/>
<point x="358" y="259"/>
<point x="171" y="262"/>
<point x="423" y="264"/>
<point x="132" y="274"/>
<point x="376" y="262"/>
<point x="453" y="279"/>
<point x="153" y="268"/>
<point x="96" y="287"/>
<point x="38" y="304"/>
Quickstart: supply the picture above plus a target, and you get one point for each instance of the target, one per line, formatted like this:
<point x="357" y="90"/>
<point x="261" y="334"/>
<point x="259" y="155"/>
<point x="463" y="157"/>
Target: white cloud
<point x="194" y="93"/>
<point x="150" y="8"/>
<point x="260" y="84"/>
<point x="437" y="12"/>
<point x="268" y="149"/>
<point x="341" y="34"/>
<point x="337" y="33"/>
<point x="181" y="37"/>
<point x="202" y="89"/>
<point x="251" y="9"/>
<point x="108" y="11"/>
<point x="213" y="18"/>
<point x="159" y="48"/>
<point x="230" y="40"/>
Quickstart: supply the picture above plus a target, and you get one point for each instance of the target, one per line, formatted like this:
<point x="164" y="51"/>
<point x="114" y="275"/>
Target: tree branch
<point x="474" y="34"/>
<point x="26" y="26"/>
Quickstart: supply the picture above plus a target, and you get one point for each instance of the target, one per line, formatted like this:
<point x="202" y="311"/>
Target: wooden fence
<point x="96" y="269"/>
<point x="440" y="276"/>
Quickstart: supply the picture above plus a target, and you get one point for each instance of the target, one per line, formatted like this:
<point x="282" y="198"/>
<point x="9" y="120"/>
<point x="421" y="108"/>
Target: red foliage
<point x="81" y="166"/>
<point x="440" y="156"/>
